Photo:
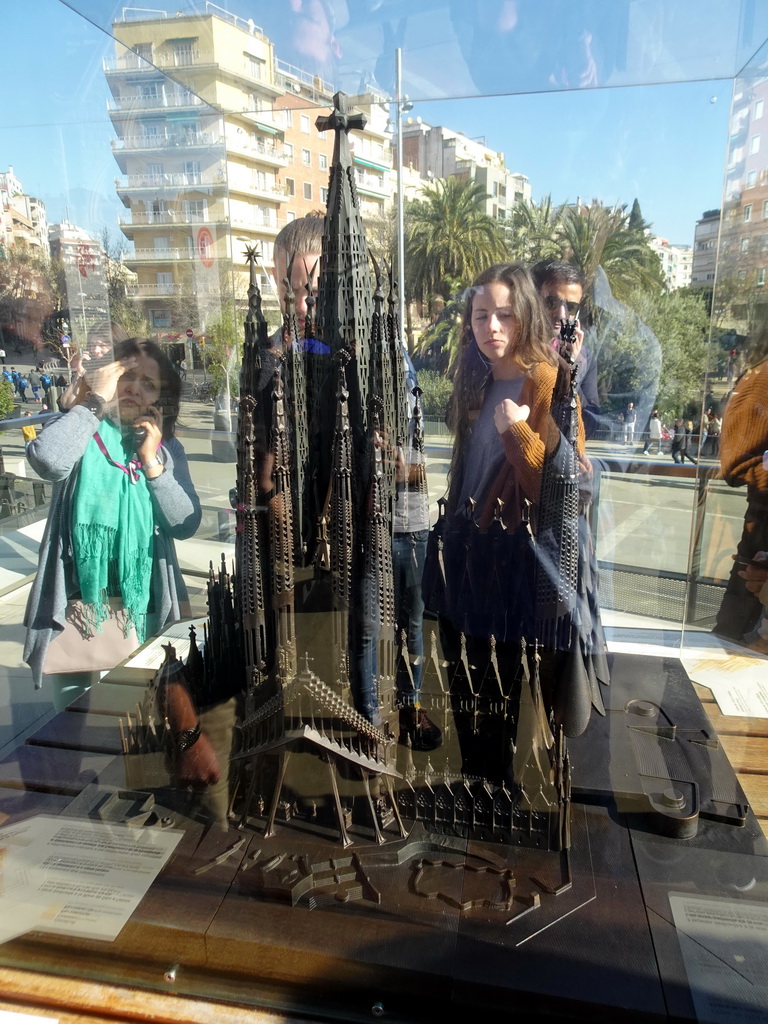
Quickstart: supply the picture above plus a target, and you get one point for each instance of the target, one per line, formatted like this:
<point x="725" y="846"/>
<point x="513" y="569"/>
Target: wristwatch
<point x="186" y="738"/>
<point x="95" y="403"/>
<point x="153" y="462"/>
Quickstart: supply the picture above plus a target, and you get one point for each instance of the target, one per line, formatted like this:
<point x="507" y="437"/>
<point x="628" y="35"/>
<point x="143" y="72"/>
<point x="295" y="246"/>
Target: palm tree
<point x="598" y="235"/>
<point x="449" y="238"/>
<point x="533" y="231"/>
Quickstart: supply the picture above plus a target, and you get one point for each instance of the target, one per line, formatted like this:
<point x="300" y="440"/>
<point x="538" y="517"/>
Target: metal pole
<point x="400" y="228"/>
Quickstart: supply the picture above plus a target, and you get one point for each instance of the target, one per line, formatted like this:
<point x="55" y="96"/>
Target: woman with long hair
<point x="506" y="441"/>
<point x="121" y="494"/>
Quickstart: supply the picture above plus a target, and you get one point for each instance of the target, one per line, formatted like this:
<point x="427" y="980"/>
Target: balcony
<point x="180" y="140"/>
<point x="170" y="217"/>
<point x="193" y="58"/>
<point x="149" y="291"/>
<point x="256" y="149"/>
<point x="274" y="193"/>
<point x="153" y="182"/>
<point x="134" y="104"/>
<point x="159" y="255"/>
<point x="258" y="223"/>
<point x="370" y="183"/>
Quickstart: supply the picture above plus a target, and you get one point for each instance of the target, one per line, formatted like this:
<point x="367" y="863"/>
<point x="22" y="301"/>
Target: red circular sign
<point x="190" y="333"/>
<point x="204" y="247"/>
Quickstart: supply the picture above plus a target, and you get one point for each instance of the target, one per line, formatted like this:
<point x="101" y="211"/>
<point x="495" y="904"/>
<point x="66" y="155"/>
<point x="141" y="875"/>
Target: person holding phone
<point x="561" y="287"/>
<point x="122" y="494"/>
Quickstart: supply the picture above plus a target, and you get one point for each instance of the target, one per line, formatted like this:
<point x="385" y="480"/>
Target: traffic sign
<point x="190" y="333"/>
<point x="65" y="339"/>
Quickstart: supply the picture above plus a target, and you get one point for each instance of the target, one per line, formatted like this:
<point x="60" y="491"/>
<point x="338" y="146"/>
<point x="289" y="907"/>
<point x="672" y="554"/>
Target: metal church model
<point x="309" y="606"/>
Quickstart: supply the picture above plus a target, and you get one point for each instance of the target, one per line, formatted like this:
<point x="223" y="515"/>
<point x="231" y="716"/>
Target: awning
<point x="369" y="163"/>
<point x="266" y="128"/>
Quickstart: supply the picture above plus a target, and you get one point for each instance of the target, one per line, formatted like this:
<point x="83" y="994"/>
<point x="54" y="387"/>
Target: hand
<point x="754" y="576"/>
<point x="149" y="421"/>
<point x="198" y="766"/>
<point x="507" y="413"/>
<point x="401" y="470"/>
<point x="103" y="380"/>
<point x="578" y="340"/>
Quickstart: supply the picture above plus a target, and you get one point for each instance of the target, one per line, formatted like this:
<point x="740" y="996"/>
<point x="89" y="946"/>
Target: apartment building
<point x="439" y="152"/>
<point x="217" y="148"/>
<point x="676" y="261"/>
<point x="22" y="217"/>
<point x="704" y="261"/>
<point x="84" y="264"/>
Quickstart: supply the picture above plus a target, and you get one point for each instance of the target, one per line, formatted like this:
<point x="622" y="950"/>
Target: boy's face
<point x="303" y="265"/>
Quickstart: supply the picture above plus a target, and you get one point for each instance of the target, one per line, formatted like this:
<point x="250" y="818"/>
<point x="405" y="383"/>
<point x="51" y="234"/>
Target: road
<point x="645" y="518"/>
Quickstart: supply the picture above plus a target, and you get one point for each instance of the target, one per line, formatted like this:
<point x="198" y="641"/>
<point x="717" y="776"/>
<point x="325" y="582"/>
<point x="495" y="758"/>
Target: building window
<point x="289" y="216"/>
<point x="196" y="209"/>
<point x="751" y="179"/>
<point x="287" y="118"/>
<point x="290" y="186"/>
<point x="754" y="145"/>
<point x="323" y="162"/>
<point x="745" y="245"/>
<point x="765" y="209"/>
<point x="183" y="54"/>
<point x="164" y="282"/>
<point x="161" y="317"/>
<point x="324" y="195"/>
<point x="758" y="110"/>
<point x="305" y="127"/>
<point x="308" y="190"/>
<point x="254" y="65"/>
<point x="761" y="276"/>
<point x="288" y="150"/>
<point x="306" y="158"/>
<point x="747" y="215"/>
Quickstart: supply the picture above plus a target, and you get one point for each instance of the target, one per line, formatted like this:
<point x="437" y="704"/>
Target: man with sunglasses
<point x="561" y="287"/>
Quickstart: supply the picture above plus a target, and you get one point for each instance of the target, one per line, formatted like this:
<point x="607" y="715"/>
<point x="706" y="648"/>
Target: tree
<point x="533" y="231"/>
<point x="679" y="320"/>
<point x="449" y="238"/>
<point x="600" y="236"/>
<point x="122" y="310"/>
<point x="27" y="287"/>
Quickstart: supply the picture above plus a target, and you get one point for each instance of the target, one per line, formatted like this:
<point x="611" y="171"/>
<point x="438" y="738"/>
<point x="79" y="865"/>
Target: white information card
<point x="76" y="877"/>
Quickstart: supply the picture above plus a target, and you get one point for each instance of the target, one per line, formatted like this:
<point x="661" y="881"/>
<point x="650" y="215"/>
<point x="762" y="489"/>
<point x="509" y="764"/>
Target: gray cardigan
<point x="55" y="455"/>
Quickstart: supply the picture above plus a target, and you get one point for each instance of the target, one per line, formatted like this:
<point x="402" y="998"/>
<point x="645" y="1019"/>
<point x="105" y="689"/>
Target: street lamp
<point x="402" y="106"/>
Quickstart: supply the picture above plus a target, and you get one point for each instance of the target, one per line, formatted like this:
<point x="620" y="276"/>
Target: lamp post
<point x="402" y="105"/>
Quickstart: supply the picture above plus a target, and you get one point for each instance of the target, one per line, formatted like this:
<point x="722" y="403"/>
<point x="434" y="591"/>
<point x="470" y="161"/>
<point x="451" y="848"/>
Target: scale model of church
<point x="309" y="607"/>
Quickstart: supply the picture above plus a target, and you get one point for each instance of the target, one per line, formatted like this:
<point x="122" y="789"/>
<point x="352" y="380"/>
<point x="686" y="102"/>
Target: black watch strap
<point x="186" y="738"/>
<point x="95" y="403"/>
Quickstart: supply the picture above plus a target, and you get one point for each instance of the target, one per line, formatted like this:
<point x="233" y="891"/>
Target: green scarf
<point x="113" y="532"/>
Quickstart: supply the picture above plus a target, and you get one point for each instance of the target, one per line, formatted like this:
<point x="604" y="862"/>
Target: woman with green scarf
<point x="122" y="494"/>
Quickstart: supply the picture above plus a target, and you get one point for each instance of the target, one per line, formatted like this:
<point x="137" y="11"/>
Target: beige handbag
<point x="79" y="649"/>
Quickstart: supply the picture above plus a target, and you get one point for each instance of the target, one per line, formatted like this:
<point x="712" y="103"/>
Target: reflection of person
<point x="501" y="415"/>
<point x="122" y="494"/>
<point x="678" y="441"/>
<point x="561" y="286"/>
<point x="654" y="434"/>
<point x="301" y="241"/>
<point x="743" y="440"/>
<point x="101" y="337"/>
<point x="409" y="550"/>
<point x="630" y="418"/>
<point x="28" y="431"/>
<point x="755" y="576"/>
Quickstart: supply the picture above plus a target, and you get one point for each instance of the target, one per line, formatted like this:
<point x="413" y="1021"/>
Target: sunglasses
<point x="552" y="303"/>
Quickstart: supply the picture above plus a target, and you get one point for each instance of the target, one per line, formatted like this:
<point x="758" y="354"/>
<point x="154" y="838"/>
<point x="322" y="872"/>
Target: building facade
<point x="676" y="262"/>
<point x="439" y="152"/>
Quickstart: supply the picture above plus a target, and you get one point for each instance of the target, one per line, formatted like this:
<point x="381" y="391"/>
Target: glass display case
<point x="417" y="544"/>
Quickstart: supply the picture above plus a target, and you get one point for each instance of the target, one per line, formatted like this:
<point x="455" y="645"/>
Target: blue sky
<point x="663" y="144"/>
